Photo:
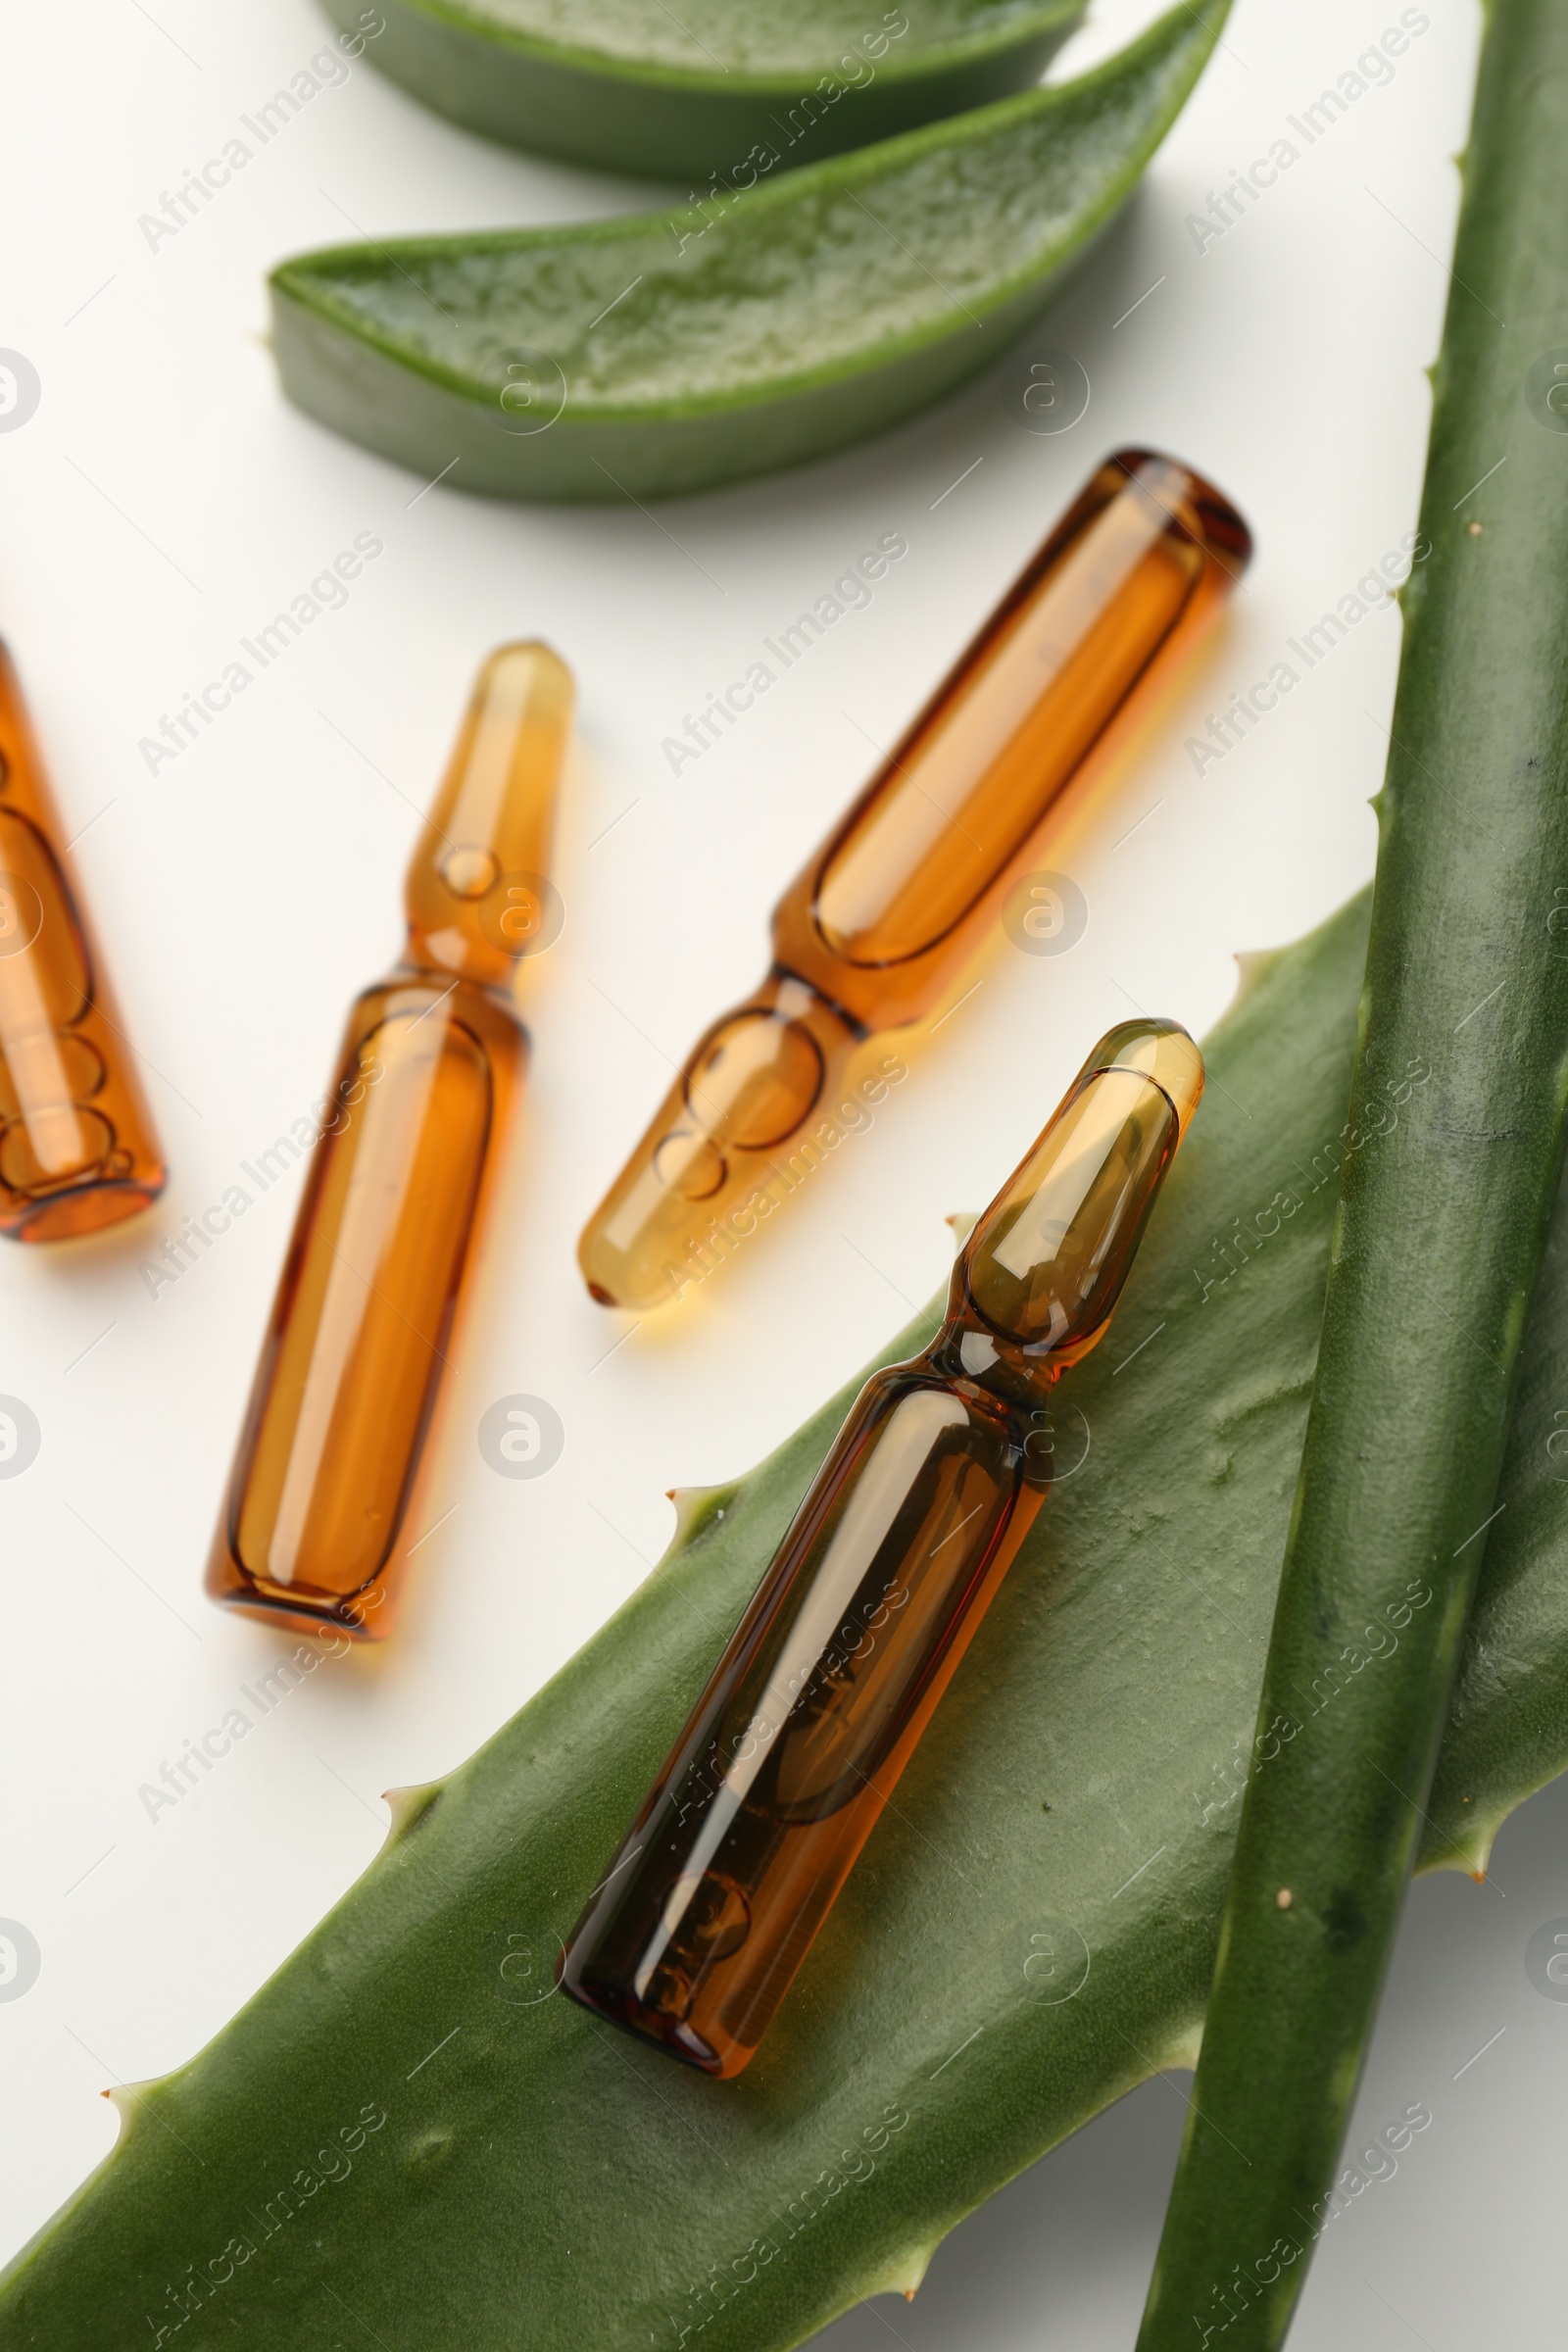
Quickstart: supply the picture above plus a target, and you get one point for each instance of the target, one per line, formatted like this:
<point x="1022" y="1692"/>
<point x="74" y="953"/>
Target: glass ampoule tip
<point x="1045" y="1266"/>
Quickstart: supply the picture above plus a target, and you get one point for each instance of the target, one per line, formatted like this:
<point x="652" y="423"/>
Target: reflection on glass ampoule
<point x="883" y="918"/>
<point x="700" y="1920"/>
<point x="78" y="1148"/>
<point x="316" y="1526"/>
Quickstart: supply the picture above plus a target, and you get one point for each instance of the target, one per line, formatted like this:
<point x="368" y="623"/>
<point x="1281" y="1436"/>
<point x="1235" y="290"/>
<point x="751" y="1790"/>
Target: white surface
<point x="161" y="502"/>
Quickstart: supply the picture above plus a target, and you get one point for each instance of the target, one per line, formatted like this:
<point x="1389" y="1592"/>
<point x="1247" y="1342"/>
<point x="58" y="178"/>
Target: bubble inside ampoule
<point x="77" y="1149"/>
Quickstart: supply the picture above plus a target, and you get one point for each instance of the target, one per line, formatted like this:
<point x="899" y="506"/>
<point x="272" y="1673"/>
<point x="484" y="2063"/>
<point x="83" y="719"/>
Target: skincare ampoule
<point x="701" y="1918"/>
<point x="316" y="1527"/>
<point x="78" y="1147"/>
<point x="886" y="913"/>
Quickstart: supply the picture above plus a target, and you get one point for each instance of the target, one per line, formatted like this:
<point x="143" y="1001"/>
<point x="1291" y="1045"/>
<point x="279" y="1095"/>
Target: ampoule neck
<point x="477" y="897"/>
<point x="967" y="1351"/>
<point x="415" y="966"/>
<point x="449" y="955"/>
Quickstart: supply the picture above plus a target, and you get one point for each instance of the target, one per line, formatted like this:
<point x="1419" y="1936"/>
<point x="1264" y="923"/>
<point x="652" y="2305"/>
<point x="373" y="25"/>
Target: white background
<point x="163" y="500"/>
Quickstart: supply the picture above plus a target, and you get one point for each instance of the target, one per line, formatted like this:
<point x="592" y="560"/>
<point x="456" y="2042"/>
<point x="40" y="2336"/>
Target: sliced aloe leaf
<point x="632" y="85"/>
<point x="667" y="352"/>
<point x="1030" y="1930"/>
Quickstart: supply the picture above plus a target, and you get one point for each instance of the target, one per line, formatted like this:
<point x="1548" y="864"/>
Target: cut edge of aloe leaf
<point x="897" y="64"/>
<point x="295" y="277"/>
<point x="341" y="366"/>
<point x="620" y="113"/>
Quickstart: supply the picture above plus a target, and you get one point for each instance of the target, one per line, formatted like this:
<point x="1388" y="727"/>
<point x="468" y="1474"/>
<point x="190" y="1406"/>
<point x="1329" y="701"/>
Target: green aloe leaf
<point x="668" y="352"/>
<point x="632" y="85"/>
<point x="407" y="2135"/>
<point x="1459" y="1087"/>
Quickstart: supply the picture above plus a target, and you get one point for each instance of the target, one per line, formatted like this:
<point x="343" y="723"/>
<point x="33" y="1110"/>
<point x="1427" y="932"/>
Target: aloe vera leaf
<point x="540" y="2182"/>
<point x="634" y="87"/>
<point x="1439" y="1235"/>
<point x="668" y="352"/>
<point x="1516" y="1646"/>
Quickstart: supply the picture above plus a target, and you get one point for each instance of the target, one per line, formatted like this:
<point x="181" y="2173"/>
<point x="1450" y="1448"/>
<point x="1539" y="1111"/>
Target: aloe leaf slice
<point x="993" y="1974"/>
<point x="1458" y="1097"/>
<point x="632" y="85"/>
<point x="667" y="352"/>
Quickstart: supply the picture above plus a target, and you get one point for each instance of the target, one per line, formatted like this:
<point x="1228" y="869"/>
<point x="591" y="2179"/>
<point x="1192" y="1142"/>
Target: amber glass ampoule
<point x="707" y="1911"/>
<point x="314" y="1525"/>
<point x="78" y="1148"/>
<point x="884" y="916"/>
